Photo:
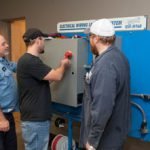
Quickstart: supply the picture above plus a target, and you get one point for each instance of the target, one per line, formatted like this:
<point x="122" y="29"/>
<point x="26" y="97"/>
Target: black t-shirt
<point x="34" y="92"/>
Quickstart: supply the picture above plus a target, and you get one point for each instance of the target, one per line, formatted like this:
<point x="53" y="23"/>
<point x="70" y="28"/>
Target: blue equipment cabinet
<point x="71" y="114"/>
<point x="136" y="47"/>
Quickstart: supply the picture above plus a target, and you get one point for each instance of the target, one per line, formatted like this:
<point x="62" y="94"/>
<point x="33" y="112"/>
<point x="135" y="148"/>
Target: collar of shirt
<point x="2" y="59"/>
<point x="100" y="56"/>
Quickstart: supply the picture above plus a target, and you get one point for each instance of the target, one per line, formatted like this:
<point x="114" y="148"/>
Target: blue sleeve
<point x="13" y="66"/>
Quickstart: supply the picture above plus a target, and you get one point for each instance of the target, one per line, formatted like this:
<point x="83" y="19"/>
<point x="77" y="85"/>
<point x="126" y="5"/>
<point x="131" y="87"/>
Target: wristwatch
<point x="91" y="148"/>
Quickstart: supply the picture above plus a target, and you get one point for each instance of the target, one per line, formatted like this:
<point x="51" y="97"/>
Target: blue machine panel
<point x="136" y="47"/>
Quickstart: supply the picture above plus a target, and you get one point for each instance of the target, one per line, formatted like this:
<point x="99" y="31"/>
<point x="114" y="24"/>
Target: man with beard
<point x="34" y="92"/>
<point x="106" y="102"/>
<point x="8" y="99"/>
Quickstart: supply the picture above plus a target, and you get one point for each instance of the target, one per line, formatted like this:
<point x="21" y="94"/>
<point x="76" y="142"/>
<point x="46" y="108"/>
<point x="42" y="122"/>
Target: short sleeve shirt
<point x="34" y="92"/>
<point x="8" y="86"/>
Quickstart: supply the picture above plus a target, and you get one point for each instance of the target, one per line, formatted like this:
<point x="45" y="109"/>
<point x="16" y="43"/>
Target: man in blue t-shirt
<point x="8" y="99"/>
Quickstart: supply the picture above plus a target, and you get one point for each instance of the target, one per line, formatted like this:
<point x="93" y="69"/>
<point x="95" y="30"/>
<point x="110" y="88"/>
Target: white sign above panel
<point x="120" y="24"/>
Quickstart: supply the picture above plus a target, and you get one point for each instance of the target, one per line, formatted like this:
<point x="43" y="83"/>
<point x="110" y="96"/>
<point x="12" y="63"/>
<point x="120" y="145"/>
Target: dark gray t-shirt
<point x="34" y="92"/>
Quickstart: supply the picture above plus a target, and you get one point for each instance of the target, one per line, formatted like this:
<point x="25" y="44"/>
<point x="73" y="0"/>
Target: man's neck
<point x="103" y="48"/>
<point x="33" y="51"/>
<point x="2" y="56"/>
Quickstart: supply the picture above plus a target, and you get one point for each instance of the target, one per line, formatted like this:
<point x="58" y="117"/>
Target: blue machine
<point x="135" y="45"/>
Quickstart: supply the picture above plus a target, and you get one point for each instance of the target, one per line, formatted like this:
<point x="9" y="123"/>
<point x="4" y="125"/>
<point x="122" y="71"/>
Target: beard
<point x="94" y="50"/>
<point x="42" y="51"/>
<point x="5" y="53"/>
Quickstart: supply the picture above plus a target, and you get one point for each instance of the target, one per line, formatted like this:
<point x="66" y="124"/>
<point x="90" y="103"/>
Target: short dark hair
<point x="109" y="40"/>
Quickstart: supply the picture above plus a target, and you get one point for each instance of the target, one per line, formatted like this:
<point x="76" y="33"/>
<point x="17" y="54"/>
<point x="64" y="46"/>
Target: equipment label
<point x="120" y="24"/>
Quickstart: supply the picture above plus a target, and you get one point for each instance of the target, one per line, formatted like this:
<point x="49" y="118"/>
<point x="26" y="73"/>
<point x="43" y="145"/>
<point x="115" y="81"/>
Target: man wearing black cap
<point x="34" y="92"/>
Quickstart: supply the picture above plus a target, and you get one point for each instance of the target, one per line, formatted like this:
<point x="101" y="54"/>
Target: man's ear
<point x="96" y="39"/>
<point x="37" y="40"/>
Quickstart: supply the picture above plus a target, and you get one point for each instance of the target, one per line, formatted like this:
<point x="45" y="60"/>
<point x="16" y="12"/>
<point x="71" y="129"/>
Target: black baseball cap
<point x="33" y="33"/>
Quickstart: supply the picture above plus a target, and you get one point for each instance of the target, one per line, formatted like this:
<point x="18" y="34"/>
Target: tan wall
<point x="45" y="14"/>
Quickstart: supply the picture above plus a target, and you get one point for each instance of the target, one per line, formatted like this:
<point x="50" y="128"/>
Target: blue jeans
<point x="35" y="135"/>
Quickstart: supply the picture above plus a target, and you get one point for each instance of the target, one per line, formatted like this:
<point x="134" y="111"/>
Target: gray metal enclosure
<point x="69" y="91"/>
